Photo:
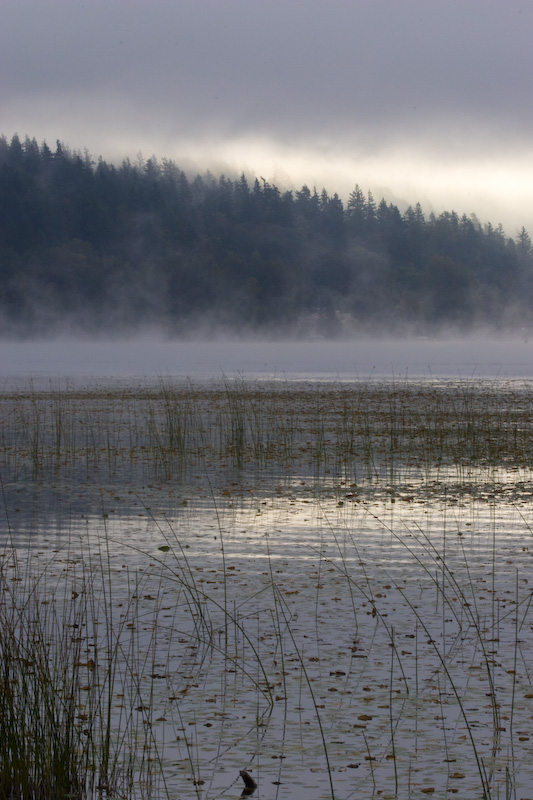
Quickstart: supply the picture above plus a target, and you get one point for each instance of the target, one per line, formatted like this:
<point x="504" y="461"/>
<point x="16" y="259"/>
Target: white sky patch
<point x="496" y="191"/>
<point x="492" y="180"/>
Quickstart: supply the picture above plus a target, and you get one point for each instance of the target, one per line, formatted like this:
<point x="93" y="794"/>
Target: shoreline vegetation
<point x="316" y="586"/>
<point x="87" y="246"/>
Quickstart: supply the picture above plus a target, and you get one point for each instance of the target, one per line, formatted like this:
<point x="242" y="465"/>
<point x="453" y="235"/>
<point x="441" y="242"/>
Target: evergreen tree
<point x="80" y="238"/>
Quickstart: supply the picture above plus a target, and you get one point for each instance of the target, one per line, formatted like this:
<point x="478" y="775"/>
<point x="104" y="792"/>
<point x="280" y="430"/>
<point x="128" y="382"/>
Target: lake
<point x="314" y="567"/>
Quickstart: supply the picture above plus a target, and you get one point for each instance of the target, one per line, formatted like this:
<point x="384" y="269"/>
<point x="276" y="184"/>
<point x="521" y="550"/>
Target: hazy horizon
<point x="150" y="357"/>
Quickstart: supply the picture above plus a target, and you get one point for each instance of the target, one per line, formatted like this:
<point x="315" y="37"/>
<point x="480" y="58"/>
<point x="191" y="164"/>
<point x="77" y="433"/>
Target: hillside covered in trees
<point x="88" y="246"/>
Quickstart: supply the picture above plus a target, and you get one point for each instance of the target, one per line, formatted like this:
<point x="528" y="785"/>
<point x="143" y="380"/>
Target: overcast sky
<point x="417" y="100"/>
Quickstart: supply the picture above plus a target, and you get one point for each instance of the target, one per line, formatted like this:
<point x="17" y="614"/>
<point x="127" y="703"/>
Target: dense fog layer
<point x="152" y="358"/>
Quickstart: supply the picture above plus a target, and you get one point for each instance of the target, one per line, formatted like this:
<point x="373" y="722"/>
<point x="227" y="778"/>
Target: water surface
<point x="339" y="628"/>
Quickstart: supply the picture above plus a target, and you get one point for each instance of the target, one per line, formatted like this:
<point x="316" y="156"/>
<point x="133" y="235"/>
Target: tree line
<point x="90" y="246"/>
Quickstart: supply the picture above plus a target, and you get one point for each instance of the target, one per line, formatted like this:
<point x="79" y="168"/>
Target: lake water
<point x="339" y="632"/>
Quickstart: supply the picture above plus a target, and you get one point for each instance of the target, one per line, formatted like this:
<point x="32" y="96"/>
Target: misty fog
<point x="150" y="358"/>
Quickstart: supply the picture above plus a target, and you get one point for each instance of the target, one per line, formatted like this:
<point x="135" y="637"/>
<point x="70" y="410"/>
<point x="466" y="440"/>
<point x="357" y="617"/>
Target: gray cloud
<point x="344" y="82"/>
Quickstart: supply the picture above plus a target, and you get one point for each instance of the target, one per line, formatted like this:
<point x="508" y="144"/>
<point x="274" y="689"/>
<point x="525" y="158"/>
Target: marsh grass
<point x="64" y="661"/>
<point x="361" y="431"/>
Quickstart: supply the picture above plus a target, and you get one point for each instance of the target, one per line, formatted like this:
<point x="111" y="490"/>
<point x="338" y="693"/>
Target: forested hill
<point x="91" y="246"/>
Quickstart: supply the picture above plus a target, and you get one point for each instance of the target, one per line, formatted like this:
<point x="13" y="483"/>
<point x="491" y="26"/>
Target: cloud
<point x="430" y="99"/>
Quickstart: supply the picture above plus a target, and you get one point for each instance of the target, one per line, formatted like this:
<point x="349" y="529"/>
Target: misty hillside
<point x="88" y="246"/>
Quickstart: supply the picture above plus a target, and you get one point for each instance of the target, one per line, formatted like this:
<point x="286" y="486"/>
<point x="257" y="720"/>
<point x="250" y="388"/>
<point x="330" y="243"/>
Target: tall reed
<point x="359" y="431"/>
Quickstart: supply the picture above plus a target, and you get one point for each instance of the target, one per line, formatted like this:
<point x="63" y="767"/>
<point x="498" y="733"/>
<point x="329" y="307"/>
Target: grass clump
<point x="40" y="742"/>
<point x="42" y="753"/>
<point x="63" y="663"/>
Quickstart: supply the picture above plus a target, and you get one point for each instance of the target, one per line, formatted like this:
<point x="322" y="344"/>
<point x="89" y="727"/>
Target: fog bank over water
<point x="150" y="358"/>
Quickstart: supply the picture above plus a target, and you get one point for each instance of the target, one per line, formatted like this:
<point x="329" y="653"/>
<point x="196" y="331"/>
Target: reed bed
<point x="62" y="657"/>
<point x="359" y="431"/>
